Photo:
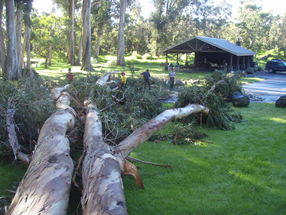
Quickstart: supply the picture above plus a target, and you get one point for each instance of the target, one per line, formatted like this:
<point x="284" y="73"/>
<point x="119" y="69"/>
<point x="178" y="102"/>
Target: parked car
<point x="275" y="65"/>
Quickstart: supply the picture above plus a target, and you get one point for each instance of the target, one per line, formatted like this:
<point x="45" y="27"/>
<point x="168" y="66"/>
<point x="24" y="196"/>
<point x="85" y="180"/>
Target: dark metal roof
<point x="207" y="44"/>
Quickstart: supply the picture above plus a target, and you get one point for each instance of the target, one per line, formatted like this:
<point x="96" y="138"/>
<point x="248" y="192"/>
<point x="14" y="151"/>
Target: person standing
<point x="69" y="76"/>
<point x="123" y="80"/>
<point x="172" y="76"/>
<point x="147" y="77"/>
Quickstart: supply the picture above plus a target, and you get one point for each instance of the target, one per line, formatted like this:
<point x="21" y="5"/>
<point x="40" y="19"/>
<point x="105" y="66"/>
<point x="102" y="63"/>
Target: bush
<point x="110" y="63"/>
<point x="147" y="57"/>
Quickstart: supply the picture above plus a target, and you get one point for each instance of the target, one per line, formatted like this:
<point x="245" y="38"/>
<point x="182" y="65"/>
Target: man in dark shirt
<point x="147" y="77"/>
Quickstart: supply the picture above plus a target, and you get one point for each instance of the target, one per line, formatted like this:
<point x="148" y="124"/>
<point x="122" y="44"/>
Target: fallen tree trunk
<point x="101" y="175"/>
<point x="103" y="165"/>
<point x="105" y="79"/>
<point x="45" y="186"/>
<point x="143" y="133"/>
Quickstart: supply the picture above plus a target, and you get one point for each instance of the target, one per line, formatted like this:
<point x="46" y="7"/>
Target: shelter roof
<point x="207" y="44"/>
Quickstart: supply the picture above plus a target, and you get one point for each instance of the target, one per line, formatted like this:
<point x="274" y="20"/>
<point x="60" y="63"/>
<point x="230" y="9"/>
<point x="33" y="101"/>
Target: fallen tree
<point x="45" y="186"/>
<point x="103" y="165"/>
<point x="124" y="126"/>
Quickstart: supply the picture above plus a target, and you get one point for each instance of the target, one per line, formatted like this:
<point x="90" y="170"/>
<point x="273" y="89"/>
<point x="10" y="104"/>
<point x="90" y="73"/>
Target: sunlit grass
<point x="248" y="80"/>
<point x="242" y="172"/>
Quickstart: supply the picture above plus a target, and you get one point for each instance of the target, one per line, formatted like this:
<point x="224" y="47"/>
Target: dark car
<point x="275" y="65"/>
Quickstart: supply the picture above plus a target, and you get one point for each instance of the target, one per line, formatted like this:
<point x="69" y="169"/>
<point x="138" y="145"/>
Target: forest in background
<point x="171" y="23"/>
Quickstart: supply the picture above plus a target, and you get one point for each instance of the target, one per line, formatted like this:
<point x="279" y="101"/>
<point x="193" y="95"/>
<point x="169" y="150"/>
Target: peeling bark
<point x="86" y="36"/>
<point x="120" y="50"/>
<point x="103" y="165"/>
<point x="45" y="187"/>
<point x="143" y="133"/>
<point x="105" y="78"/>
<point x="101" y="176"/>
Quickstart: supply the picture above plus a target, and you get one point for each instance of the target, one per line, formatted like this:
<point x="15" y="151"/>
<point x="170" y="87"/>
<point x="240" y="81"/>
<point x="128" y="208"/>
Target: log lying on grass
<point x="103" y="165"/>
<point x="45" y="187"/>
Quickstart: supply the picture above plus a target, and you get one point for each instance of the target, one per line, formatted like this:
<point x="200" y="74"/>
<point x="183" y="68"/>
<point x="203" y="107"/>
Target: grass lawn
<point x="242" y="172"/>
<point x="58" y="71"/>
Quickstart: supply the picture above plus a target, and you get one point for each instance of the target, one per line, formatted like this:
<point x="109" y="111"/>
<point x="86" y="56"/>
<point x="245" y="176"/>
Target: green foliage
<point x="111" y="63"/>
<point x="220" y="115"/>
<point x="30" y="99"/>
<point x="230" y="176"/>
<point x="227" y="88"/>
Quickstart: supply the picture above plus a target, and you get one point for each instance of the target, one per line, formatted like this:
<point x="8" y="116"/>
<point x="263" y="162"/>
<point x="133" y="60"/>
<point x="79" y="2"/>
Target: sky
<point x="275" y="5"/>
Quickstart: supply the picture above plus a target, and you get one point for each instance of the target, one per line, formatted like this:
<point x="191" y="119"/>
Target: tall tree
<point x="2" y="44"/>
<point x="19" y="15"/>
<point x="71" y="46"/>
<point x="11" y="71"/>
<point x="120" y="49"/>
<point x="86" y="36"/>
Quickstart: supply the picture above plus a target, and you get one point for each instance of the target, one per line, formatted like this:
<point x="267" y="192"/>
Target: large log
<point x="103" y="165"/>
<point x="101" y="175"/>
<point x="143" y="133"/>
<point x="45" y="187"/>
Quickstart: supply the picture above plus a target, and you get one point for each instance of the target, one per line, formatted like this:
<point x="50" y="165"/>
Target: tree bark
<point x="120" y="50"/>
<point x="11" y="65"/>
<point x="101" y="175"/>
<point x="28" y="36"/>
<point x="79" y="51"/>
<point x="71" y="48"/>
<point x="45" y="186"/>
<point x="86" y="36"/>
<point x="143" y="133"/>
<point x="19" y="36"/>
<point x="50" y="56"/>
<point x="2" y="43"/>
<point x="24" y="47"/>
<point x="99" y="34"/>
<point x="47" y="58"/>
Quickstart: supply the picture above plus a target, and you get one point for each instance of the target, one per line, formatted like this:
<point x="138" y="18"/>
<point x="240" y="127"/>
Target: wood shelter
<point x="212" y="52"/>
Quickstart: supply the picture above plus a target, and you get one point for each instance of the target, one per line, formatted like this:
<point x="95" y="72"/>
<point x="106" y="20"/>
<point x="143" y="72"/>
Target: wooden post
<point x="186" y="59"/>
<point x="230" y="59"/>
<point x="177" y="57"/>
<point x="166" y="57"/>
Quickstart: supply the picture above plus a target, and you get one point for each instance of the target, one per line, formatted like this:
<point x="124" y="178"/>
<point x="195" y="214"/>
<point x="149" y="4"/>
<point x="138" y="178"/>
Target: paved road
<point x="270" y="89"/>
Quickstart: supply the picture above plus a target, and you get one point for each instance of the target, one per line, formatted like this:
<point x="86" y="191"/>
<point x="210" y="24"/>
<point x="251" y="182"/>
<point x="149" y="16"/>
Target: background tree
<point x="11" y="68"/>
<point x="86" y="36"/>
<point x="120" y="49"/>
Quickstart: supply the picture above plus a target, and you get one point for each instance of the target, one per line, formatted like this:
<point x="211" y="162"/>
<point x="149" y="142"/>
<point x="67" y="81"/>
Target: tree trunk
<point x="45" y="187"/>
<point x="28" y="36"/>
<point x="79" y="51"/>
<point x="19" y="36"/>
<point x="99" y="34"/>
<point x="101" y="173"/>
<point x="47" y="58"/>
<point x="120" y="50"/>
<point x="71" y="48"/>
<point x="12" y="71"/>
<point x="24" y="46"/>
<point x="86" y="36"/>
<point x="2" y="43"/>
<point x="50" y="56"/>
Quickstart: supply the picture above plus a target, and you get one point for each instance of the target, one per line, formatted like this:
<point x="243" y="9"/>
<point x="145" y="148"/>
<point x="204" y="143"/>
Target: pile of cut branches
<point x="216" y="88"/>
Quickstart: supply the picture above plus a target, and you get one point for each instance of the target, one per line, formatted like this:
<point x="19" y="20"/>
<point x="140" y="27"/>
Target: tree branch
<point x="143" y="133"/>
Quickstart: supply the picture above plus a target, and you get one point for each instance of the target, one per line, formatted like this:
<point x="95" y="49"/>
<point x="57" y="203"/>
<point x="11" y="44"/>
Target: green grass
<point x="247" y="80"/>
<point x="58" y="70"/>
<point x="242" y="172"/>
